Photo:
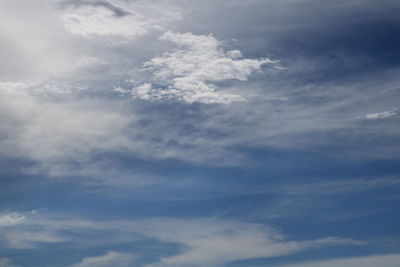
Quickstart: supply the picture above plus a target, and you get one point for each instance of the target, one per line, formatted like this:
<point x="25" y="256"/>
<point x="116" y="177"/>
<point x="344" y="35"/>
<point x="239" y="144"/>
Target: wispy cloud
<point x="31" y="239"/>
<point x="216" y="243"/>
<point x="5" y="262"/>
<point x="204" y="241"/>
<point x="320" y="199"/>
<point x="104" y="18"/>
<point x="380" y="115"/>
<point x="389" y="260"/>
<point x="12" y="218"/>
<point x="111" y="258"/>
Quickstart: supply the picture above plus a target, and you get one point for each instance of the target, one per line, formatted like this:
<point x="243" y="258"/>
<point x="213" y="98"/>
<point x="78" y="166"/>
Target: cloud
<point x="51" y="121"/>
<point x="219" y="250"/>
<point x="13" y="88"/>
<point x="54" y="133"/>
<point x="10" y="219"/>
<point x="111" y="258"/>
<point x="4" y="262"/>
<point x="380" y="115"/>
<point x="202" y="241"/>
<point x="104" y="18"/>
<point x="216" y="242"/>
<point x="31" y="239"/>
<point x="319" y="199"/>
<point x="188" y="74"/>
<point x="390" y="260"/>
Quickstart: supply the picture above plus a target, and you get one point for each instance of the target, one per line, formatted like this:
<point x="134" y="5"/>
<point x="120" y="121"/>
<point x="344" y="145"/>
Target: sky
<point x="160" y="133"/>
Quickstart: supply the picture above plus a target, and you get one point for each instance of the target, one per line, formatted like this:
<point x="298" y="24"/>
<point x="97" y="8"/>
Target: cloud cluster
<point x="188" y="74"/>
<point x="39" y="127"/>
<point x="51" y="121"/>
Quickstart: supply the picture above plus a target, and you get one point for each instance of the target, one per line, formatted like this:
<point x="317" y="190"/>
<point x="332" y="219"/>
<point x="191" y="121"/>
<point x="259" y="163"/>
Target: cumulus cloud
<point x="380" y="115"/>
<point x="111" y="258"/>
<point x="101" y="18"/>
<point x="189" y="73"/>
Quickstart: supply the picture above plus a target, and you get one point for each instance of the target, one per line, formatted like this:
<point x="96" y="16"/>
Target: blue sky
<point x="199" y="134"/>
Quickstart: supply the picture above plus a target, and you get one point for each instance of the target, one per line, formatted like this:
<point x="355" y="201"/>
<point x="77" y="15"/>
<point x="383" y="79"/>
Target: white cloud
<point x="10" y="219"/>
<point x="54" y="131"/>
<point x="31" y="239"/>
<point x="105" y="18"/>
<point x="203" y="241"/>
<point x="188" y="74"/>
<point x="20" y="232"/>
<point x="390" y="260"/>
<point x="380" y="115"/>
<point x="111" y="258"/>
<point x="217" y="242"/>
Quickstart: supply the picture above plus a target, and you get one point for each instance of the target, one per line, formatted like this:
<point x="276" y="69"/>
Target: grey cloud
<point x="98" y="19"/>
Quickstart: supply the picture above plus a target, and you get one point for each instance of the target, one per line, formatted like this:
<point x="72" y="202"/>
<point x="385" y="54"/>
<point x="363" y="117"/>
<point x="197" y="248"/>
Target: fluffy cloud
<point x="188" y="74"/>
<point x="89" y="18"/>
<point x="111" y="258"/>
